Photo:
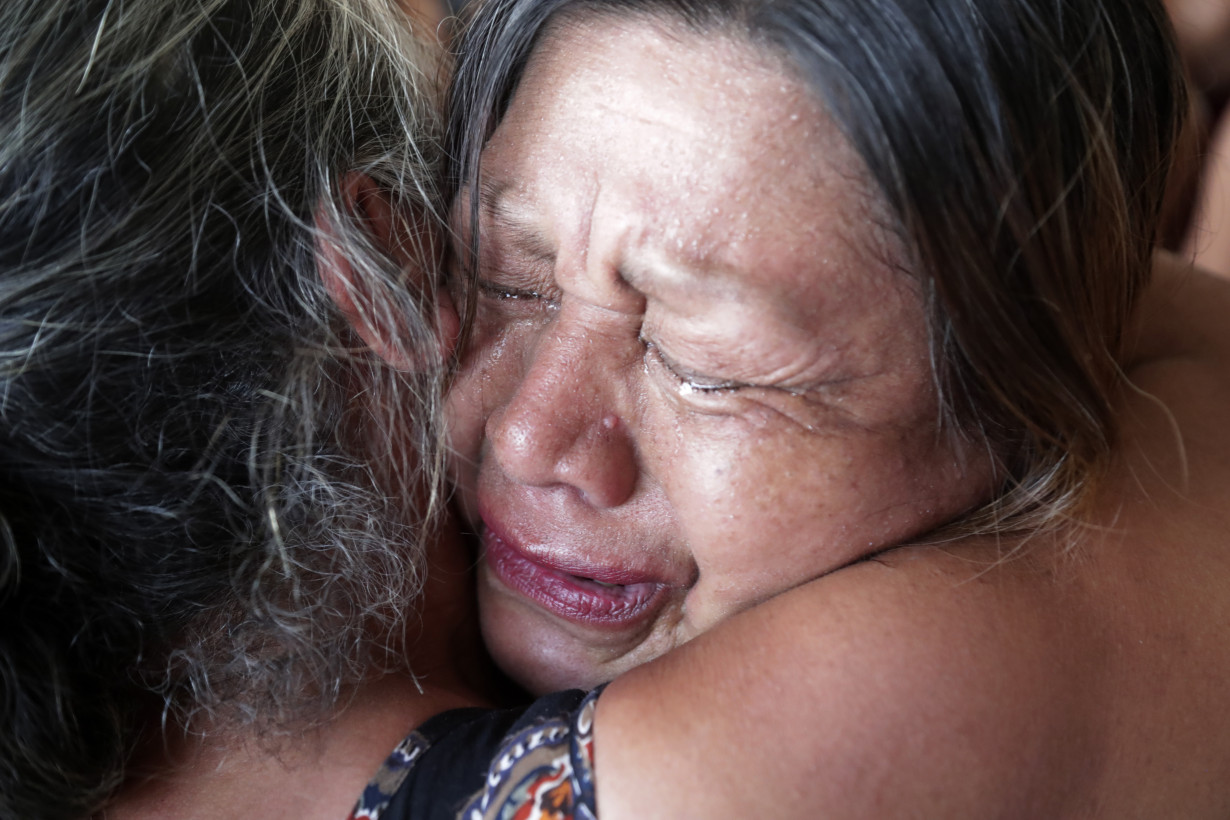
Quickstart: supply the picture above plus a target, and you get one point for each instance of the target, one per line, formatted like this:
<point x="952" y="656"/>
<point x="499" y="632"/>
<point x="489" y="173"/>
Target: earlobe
<point x="371" y="318"/>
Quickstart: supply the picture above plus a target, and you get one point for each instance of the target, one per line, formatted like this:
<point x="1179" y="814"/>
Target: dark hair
<point x="1023" y="147"/>
<point x="187" y="518"/>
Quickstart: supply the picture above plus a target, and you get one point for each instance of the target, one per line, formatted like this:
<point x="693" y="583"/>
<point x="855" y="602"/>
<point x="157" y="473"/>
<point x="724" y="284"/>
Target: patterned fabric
<point x="532" y="763"/>
<point x="375" y="798"/>
<point x="543" y="772"/>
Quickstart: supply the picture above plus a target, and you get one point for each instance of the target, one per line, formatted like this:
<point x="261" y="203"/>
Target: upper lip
<point x="628" y="570"/>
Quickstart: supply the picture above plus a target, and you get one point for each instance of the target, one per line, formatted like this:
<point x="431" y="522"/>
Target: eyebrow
<point x="648" y="276"/>
<point x="661" y="274"/>
<point x="525" y="237"/>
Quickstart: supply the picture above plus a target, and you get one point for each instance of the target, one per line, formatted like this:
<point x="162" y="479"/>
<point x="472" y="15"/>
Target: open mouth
<point x="613" y="599"/>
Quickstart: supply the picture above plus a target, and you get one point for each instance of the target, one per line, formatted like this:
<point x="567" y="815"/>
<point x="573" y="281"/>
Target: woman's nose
<point x="564" y="423"/>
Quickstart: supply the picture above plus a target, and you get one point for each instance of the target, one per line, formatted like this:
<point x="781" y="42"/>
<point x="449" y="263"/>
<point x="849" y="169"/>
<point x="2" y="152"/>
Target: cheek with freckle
<point x="765" y="506"/>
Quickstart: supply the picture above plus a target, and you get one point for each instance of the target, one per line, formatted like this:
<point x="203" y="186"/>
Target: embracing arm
<point x="920" y="687"/>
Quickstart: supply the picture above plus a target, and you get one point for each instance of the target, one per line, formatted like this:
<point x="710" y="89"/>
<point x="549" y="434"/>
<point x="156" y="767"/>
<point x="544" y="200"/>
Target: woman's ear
<point x="382" y="330"/>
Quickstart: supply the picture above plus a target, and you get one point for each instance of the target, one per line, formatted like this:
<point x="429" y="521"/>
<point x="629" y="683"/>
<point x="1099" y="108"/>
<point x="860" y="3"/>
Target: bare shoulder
<point x="1077" y="681"/>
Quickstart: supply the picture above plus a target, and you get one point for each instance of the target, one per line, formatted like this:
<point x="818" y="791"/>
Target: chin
<point x="536" y="656"/>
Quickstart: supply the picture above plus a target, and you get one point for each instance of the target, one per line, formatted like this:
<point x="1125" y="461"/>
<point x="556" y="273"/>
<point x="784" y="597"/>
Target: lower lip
<point x="572" y="597"/>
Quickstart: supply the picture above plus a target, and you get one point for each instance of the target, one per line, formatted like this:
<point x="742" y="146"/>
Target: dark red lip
<point x="593" y="596"/>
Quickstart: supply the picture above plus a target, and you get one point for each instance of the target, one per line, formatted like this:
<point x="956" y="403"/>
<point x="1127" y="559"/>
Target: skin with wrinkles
<point x="699" y="371"/>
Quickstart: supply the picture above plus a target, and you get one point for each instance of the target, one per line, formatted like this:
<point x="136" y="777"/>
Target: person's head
<point x="189" y="191"/>
<point x="767" y="286"/>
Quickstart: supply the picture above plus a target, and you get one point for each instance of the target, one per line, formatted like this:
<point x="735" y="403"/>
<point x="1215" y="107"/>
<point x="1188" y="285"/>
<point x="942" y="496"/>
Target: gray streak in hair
<point x="192" y="530"/>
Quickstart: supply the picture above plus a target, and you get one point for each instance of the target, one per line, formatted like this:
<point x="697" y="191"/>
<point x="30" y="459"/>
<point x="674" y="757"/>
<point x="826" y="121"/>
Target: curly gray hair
<point x="188" y="521"/>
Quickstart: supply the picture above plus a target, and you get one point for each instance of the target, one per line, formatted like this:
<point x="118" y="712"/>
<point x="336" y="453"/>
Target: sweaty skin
<point x="699" y="375"/>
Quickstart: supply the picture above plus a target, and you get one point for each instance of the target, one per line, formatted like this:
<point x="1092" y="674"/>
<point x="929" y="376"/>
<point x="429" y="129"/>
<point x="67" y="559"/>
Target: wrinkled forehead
<point x="736" y="91"/>
<point x="682" y="159"/>
<point x="680" y="112"/>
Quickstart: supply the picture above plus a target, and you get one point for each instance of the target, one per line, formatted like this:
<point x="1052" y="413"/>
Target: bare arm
<point x="913" y="687"/>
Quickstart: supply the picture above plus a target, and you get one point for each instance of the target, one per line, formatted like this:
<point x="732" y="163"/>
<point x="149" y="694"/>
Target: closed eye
<point x="503" y="292"/>
<point x="689" y="381"/>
